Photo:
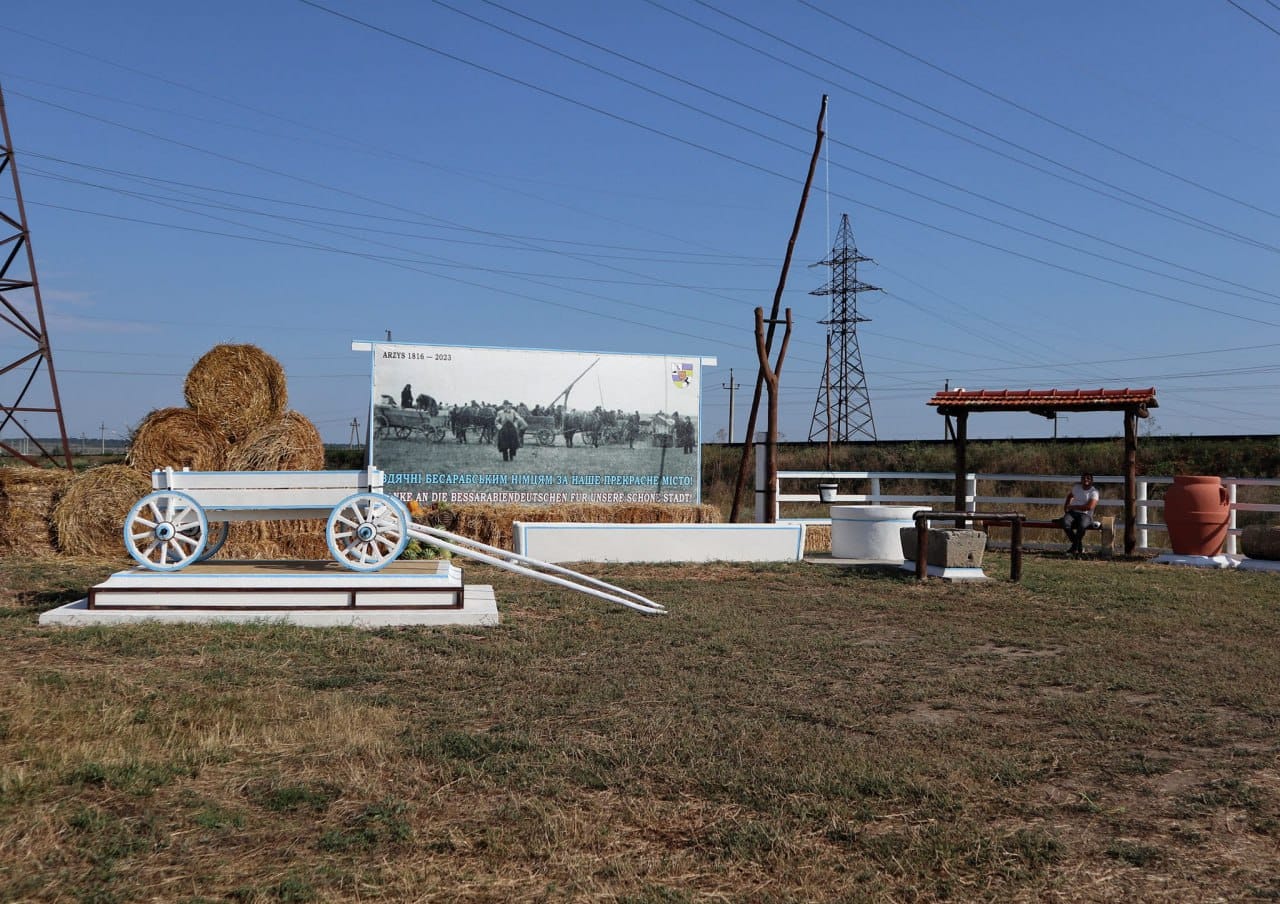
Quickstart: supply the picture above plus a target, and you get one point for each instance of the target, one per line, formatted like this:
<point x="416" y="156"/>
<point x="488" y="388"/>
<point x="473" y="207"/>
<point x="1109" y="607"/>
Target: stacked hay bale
<point x="236" y="419"/>
<point x="243" y="391"/>
<point x="289" y="442"/>
<point x="177" y="438"/>
<point x="27" y="497"/>
<point x="89" y="515"/>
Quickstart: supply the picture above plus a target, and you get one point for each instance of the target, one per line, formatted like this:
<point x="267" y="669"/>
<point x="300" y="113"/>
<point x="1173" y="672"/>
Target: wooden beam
<point x="962" y="441"/>
<point x="1130" y="481"/>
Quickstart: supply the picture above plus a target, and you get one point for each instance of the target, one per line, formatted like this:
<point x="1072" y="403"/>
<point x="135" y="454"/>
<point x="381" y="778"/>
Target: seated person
<point x="1078" y="511"/>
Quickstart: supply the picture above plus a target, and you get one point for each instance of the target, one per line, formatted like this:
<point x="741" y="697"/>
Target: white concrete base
<point x="872" y="533"/>
<point x="264" y="585"/>
<point x="563" y="541"/>
<point x="479" y="608"/>
<point x="323" y="593"/>
<point x="1218" y="561"/>
<point x="1258" y="565"/>
<point x="948" y="574"/>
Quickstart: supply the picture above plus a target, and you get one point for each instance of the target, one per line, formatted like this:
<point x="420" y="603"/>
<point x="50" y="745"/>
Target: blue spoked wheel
<point x="166" y="530"/>
<point x="218" y="533"/>
<point x="367" y="531"/>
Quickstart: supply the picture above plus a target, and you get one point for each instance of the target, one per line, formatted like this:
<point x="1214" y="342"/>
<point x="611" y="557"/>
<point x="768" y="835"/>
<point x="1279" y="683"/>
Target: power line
<point x="1040" y="116"/>
<point x="1267" y="25"/>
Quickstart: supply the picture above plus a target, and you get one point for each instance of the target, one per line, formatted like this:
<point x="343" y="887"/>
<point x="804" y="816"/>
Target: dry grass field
<point x="1103" y="731"/>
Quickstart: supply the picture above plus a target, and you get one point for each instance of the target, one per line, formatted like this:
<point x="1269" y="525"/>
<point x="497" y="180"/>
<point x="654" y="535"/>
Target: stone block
<point x="1261" y="541"/>
<point x="947" y="548"/>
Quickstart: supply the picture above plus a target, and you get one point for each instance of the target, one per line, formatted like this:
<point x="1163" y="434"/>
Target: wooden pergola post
<point x="1130" y="480"/>
<point x="962" y="459"/>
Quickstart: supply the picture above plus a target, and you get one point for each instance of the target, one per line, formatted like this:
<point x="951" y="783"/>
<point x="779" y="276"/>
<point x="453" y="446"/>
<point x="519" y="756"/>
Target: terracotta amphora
<point x="1196" y="512"/>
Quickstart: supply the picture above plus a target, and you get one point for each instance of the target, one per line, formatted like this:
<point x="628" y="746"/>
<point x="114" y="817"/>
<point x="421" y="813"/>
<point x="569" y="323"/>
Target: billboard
<point x="467" y="425"/>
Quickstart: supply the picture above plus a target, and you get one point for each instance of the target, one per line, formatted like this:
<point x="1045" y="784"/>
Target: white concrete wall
<point x="576" y="542"/>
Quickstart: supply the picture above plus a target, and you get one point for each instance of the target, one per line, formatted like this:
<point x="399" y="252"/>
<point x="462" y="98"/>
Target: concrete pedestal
<point x="300" y="593"/>
<point x="871" y="533"/>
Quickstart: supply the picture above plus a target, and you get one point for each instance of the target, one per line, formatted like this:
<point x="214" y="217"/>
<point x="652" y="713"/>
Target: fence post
<point x="1231" y="522"/>
<point x="761" y="438"/>
<point x="971" y="492"/>
<point x="875" y="490"/>
<point x="1142" y="513"/>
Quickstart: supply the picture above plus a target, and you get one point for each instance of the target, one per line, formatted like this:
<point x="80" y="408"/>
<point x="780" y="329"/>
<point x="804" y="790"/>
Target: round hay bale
<point x="26" y="503"/>
<point x="1261" y="541"/>
<point x="288" y="443"/>
<point x="239" y="387"/>
<point x="177" y="438"/>
<point x="298" y="539"/>
<point x="88" y="518"/>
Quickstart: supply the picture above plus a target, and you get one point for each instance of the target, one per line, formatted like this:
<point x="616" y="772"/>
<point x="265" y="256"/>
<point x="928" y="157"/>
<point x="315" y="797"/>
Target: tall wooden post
<point x="770" y="375"/>
<point x="741" y="481"/>
<point x="1130" y="481"/>
<point x="962" y="465"/>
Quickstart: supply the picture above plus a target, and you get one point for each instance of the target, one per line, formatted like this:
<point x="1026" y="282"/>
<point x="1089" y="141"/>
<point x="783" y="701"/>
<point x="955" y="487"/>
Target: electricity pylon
<point x="22" y="392"/>
<point x="843" y="408"/>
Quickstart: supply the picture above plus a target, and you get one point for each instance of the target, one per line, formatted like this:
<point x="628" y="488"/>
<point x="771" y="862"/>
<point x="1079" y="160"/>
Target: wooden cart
<point x="186" y="518"/>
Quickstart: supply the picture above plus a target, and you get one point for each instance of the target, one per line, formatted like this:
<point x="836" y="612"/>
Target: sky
<point x="1052" y="195"/>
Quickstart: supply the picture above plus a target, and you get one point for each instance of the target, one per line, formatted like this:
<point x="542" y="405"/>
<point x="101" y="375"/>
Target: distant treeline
<point x="1236" y="456"/>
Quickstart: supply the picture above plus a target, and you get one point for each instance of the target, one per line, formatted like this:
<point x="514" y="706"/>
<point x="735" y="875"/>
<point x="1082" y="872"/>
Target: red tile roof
<point x="1038" y="400"/>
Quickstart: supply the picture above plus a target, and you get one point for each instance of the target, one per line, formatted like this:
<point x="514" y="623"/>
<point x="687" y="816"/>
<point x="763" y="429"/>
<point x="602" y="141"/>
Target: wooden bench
<point x="1105" y="526"/>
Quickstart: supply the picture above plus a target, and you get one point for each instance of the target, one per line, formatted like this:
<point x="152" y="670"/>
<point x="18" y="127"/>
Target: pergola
<point x="959" y="403"/>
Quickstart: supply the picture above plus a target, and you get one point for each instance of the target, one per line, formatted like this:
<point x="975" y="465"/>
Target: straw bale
<point x="26" y="504"/>
<point x="288" y="443"/>
<point x="492" y="524"/>
<point x="239" y="387"/>
<point x="88" y="518"/>
<point x="296" y="539"/>
<point x="177" y="438"/>
<point x="817" y="538"/>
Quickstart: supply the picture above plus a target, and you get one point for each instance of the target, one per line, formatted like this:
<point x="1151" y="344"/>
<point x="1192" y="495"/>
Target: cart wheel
<point x="166" y="531"/>
<point x="438" y="434"/>
<point x="382" y="427"/>
<point x="403" y="432"/>
<point x="367" y="531"/>
<point x="218" y="533"/>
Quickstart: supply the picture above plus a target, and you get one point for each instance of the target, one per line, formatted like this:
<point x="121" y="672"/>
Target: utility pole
<point x="731" y="386"/>
<point x="102" y="430"/>
<point x="355" y="433"/>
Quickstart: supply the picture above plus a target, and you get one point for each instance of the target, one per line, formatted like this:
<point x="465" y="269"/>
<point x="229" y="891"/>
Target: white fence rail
<point x="980" y="492"/>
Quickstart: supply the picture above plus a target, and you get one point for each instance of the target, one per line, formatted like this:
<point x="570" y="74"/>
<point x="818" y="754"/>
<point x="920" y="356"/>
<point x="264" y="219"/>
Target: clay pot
<point x="1196" y="513"/>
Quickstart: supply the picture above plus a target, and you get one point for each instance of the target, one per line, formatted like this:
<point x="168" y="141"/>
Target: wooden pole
<point x="1130" y="481"/>
<point x="962" y="451"/>
<point x="771" y="375"/>
<point x="773" y="314"/>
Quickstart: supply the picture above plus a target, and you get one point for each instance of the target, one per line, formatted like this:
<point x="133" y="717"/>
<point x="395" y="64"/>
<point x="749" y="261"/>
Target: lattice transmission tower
<point x="843" y="409"/>
<point x="28" y="387"/>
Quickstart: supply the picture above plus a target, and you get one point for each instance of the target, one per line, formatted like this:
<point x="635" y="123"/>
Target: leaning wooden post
<point x="770" y="375"/>
<point x="741" y="480"/>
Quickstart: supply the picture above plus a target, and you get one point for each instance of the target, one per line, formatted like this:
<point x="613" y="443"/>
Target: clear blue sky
<point x="1055" y="195"/>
